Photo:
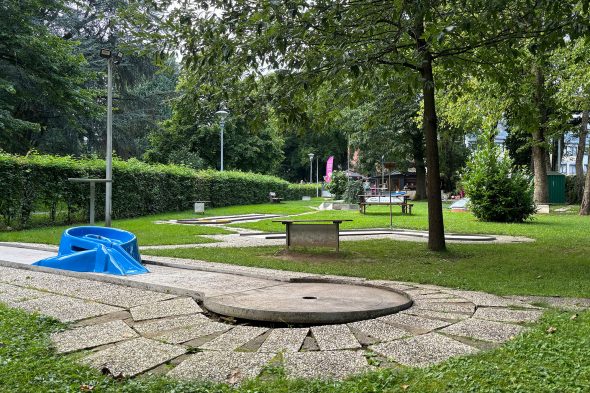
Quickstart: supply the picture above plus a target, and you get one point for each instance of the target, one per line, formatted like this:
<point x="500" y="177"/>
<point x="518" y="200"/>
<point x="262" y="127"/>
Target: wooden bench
<point x="313" y="233"/>
<point x="273" y="197"/>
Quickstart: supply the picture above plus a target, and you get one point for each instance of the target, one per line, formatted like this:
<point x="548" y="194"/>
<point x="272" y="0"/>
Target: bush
<point x="573" y="190"/>
<point x="498" y="191"/>
<point x="40" y="183"/>
<point x="338" y="185"/>
<point x="353" y="190"/>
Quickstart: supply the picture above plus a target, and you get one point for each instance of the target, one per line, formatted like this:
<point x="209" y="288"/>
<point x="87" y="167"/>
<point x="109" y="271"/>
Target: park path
<point x="154" y="323"/>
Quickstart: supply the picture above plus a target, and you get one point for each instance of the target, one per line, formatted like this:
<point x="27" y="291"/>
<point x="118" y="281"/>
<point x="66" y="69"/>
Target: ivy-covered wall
<point x="40" y="183"/>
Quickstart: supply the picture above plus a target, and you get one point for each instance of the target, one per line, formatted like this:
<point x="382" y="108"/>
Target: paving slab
<point x="284" y="340"/>
<point x="12" y="294"/>
<point x="132" y="357"/>
<point x="447" y="307"/>
<point x="484" y="330"/>
<point x="101" y="292"/>
<point x="435" y="314"/>
<point x="23" y="255"/>
<point x="485" y="299"/>
<point x="166" y="308"/>
<point x="565" y="303"/>
<point x="421" y="291"/>
<point x="67" y="309"/>
<point x="423" y="350"/>
<point x="432" y="296"/>
<point x="391" y="284"/>
<point x="228" y="367"/>
<point x="333" y="337"/>
<point x="325" y="365"/>
<point x="507" y="315"/>
<point x="414" y="322"/>
<point x="205" y="283"/>
<point x="234" y="338"/>
<point x="152" y="327"/>
<point x="187" y="333"/>
<point x="92" y="336"/>
<point x="379" y="330"/>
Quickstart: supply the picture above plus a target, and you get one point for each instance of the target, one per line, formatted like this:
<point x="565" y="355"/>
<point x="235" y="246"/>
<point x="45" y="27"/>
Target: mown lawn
<point x="557" y="263"/>
<point x="150" y="233"/>
<point x="536" y="361"/>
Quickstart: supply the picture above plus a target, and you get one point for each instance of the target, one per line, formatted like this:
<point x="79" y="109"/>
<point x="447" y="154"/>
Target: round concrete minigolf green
<point x="309" y="303"/>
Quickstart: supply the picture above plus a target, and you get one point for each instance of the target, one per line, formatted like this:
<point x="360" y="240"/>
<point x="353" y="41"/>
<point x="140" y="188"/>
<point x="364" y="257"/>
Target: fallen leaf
<point x="551" y="330"/>
<point x="405" y="387"/>
<point x="234" y="376"/>
<point x="86" y="388"/>
<point x="574" y="317"/>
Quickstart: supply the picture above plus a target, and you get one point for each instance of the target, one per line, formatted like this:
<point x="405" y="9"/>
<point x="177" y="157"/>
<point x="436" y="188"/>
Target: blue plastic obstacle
<point x="97" y="249"/>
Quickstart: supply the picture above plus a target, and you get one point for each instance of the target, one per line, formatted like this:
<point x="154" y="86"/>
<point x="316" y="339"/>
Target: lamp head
<point x="311" y="155"/>
<point x="105" y="53"/>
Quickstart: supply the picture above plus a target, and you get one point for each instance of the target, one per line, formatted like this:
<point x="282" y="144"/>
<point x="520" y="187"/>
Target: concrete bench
<point x="313" y="233"/>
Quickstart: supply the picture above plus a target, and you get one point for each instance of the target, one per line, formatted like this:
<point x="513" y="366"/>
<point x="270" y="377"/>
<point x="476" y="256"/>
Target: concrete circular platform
<point x="309" y="303"/>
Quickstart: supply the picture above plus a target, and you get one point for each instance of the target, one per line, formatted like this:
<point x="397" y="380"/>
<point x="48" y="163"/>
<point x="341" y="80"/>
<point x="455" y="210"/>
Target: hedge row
<point x="39" y="183"/>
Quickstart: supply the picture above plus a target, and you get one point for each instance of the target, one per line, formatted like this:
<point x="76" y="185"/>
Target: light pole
<point x="112" y="58"/>
<point x="317" y="180"/>
<point x="222" y="113"/>
<point x="310" y="155"/>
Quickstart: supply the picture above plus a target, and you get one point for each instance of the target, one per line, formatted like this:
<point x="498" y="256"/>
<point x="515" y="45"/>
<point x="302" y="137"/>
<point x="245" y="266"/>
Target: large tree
<point x="308" y="42"/>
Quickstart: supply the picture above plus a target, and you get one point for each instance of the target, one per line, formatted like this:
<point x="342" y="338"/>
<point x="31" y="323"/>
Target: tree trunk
<point x="580" y="154"/>
<point x="585" y="207"/>
<point x="539" y="148"/>
<point x="436" y="230"/>
<point x="418" y="153"/>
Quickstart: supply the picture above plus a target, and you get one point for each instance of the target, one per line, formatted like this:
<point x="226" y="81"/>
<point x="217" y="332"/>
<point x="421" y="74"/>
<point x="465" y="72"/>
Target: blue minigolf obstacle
<point x="98" y="250"/>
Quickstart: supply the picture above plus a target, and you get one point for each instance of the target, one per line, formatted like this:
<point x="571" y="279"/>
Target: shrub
<point x="40" y="183"/>
<point x="573" y="190"/>
<point x="498" y="191"/>
<point x="353" y="190"/>
<point x="337" y="186"/>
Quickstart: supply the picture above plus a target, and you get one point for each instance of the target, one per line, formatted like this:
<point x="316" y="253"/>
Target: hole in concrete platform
<point x="309" y="297"/>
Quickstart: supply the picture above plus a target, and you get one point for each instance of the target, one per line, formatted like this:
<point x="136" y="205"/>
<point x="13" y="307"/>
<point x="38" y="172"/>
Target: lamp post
<point x="222" y="113"/>
<point x="112" y="58"/>
<point x="317" y="175"/>
<point x="310" y="155"/>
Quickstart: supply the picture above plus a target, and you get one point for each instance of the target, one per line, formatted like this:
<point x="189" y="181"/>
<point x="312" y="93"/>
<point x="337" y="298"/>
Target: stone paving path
<point x="130" y="331"/>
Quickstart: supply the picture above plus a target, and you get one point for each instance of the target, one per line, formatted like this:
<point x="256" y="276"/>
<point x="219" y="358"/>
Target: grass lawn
<point x="557" y="263"/>
<point x="537" y="361"/>
<point x="149" y="233"/>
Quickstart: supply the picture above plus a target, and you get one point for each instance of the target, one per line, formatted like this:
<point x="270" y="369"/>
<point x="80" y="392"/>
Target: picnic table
<point x="314" y="233"/>
<point x="386" y="200"/>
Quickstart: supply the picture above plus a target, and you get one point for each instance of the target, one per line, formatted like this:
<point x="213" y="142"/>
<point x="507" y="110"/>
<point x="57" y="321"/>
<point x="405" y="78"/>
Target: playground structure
<point x="98" y="250"/>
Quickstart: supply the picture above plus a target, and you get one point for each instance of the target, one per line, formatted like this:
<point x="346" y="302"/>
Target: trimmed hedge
<point x="39" y="182"/>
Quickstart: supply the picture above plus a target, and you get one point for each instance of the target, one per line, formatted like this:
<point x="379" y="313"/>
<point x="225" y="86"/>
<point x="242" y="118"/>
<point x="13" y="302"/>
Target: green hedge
<point x="39" y="183"/>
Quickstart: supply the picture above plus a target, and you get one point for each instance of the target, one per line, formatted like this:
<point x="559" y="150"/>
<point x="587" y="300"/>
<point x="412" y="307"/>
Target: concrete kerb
<point x="107" y="279"/>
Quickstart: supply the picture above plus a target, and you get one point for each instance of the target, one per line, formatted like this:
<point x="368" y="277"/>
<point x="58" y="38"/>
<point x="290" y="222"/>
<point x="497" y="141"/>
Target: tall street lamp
<point x="222" y="113"/>
<point x="112" y="58"/>
<point x="310" y="155"/>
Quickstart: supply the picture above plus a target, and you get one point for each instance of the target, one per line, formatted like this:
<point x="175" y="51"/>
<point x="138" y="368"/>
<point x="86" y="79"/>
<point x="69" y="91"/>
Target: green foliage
<point x="38" y="182"/>
<point x="354" y="188"/>
<point x="497" y="190"/>
<point x="338" y="185"/>
<point x="573" y="190"/>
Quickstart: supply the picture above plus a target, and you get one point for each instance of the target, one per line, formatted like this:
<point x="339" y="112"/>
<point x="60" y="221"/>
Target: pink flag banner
<point x="329" y="169"/>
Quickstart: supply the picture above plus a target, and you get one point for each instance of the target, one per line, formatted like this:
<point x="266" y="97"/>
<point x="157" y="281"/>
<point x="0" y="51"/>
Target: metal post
<point x="317" y="181"/>
<point x="92" y="198"/>
<point x="222" y="123"/>
<point x="390" y="207"/>
<point x="109" y="153"/>
<point x="311" y="170"/>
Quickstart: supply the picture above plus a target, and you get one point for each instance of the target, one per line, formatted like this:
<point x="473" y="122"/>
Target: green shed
<point x="556" y="187"/>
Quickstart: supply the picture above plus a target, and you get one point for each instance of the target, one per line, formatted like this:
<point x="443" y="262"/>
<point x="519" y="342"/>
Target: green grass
<point x="149" y="233"/>
<point x="557" y="263"/>
<point x="534" y="362"/>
